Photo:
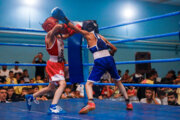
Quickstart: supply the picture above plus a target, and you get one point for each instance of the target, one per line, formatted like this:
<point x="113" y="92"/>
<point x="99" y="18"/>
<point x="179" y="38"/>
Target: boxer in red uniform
<point x="56" y="33"/>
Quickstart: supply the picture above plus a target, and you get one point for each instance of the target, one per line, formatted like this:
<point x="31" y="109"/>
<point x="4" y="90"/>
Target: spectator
<point x="97" y="90"/>
<point x="132" y="93"/>
<point x="150" y="97"/>
<point x="2" y="80"/>
<point x="116" y="92"/>
<point x="36" y="89"/>
<point x="80" y="91"/>
<point x="18" y="77"/>
<point x="11" y="79"/>
<point x="18" y="89"/>
<point x="40" y="70"/>
<point x="177" y="81"/>
<point x="162" y="96"/>
<point x="137" y="77"/>
<point x="106" y="91"/>
<point x="25" y="76"/>
<point x="24" y="92"/>
<point x="126" y="78"/>
<point x="119" y="72"/>
<point x="172" y="99"/>
<point x="106" y="76"/>
<point x="4" y="72"/>
<point x="151" y="76"/>
<point x="168" y="79"/>
<point x="11" y="95"/>
<point x="46" y="80"/>
<point x="67" y="93"/>
<point x="3" y="95"/>
<point x="16" y="68"/>
<point x="38" y="80"/>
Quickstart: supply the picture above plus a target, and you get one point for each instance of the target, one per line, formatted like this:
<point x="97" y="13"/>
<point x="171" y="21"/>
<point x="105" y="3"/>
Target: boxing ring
<point x="105" y="109"/>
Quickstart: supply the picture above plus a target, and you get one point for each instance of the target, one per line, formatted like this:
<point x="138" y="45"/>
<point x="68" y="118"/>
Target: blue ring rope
<point x="25" y="45"/>
<point x="147" y="37"/>
<point x="142" y="61"/>
<point x="24" y="64"/>
<point x="21" y="29"/>
<point x="114" y="42"/>
<point x="142" y="20"/>
<point x="111" y="84"/>
<point x="91" y="64"/>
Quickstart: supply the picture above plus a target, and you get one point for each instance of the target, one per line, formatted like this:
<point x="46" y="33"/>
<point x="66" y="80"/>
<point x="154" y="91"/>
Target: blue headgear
<point x="90" y="25"/>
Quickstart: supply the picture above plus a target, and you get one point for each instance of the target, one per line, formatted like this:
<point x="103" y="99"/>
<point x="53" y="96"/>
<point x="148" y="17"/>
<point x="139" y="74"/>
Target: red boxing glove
<point x="73" y="31"/>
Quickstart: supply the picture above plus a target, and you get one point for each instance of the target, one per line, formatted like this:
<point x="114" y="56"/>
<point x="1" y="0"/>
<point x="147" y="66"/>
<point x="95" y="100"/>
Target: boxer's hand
<point x="59" y="14"/>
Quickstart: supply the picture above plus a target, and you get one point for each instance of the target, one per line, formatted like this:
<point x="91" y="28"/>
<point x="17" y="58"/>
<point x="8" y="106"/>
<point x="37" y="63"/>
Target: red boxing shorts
<point x="55" y="71"/>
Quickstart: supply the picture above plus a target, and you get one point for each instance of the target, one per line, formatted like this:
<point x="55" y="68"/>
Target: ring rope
<point x="111" y="84"/>
<point x="142" y="20"/>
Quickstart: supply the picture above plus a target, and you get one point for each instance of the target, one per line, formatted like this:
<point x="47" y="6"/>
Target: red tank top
<point x="57" y="49"/>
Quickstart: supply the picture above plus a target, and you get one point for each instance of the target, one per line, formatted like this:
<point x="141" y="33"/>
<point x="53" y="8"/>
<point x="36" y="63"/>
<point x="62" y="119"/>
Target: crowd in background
<point x="163" y="96"/>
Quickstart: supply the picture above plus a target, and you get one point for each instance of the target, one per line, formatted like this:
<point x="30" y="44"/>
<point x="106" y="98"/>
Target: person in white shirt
<point x="16" y="69"/>
<point x="150" y="97"/>
<point x="80" y="88"/>
<point x="4" y="72"/>
<point x="106" y="76"/>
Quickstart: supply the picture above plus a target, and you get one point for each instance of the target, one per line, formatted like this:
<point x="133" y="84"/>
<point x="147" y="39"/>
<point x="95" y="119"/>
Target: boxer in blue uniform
<point x="103" y="58"/>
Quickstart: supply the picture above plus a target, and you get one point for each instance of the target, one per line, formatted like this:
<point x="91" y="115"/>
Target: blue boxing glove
<point x="58" y="14"/>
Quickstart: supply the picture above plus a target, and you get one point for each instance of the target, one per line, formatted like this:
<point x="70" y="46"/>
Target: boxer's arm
<point x="65" y="36"/>
<point x="55" y="31"/>
<point x="112" y="47"/>
<point x="78" y="30"/>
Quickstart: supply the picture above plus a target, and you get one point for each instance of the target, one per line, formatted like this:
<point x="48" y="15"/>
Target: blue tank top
<point x="100" y="45"/>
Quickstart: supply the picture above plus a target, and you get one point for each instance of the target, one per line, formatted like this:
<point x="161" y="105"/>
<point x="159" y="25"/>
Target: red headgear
<point x="49" y="23"/>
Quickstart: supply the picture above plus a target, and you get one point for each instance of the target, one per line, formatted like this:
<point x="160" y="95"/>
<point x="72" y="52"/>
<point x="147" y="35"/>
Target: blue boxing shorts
<point x="101" y="65"/>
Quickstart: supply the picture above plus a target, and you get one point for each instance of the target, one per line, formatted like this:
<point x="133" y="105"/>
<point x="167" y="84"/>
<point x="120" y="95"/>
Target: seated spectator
<point x="119" y="72"/>
<point x="25" y="76"/>
<point x="46" y="80"/>
<point x="79" y="93"/>
<point x="3" y="95"/>
<point x="116" y="92"/>
<point x="162" y="96"/>
<point x="132" y="93"/>
<point x="16" y="68"/>
<point x="11" y="95"/>
<point x="36" y="89"/>
<point x="151" y="76"/>
<point x="24" y="92"/>
<point x="168" y="79"/>
<point x="177" y="81"/>
<point x="18" y="77"/>
<point x="126" y="78"/>
<point x="97" y="89"/>
<point x="172" y="99"/>
<point x="18" y="89"/>
<point x="106" y="91"/>
<point x="38" y="80"/>
<point x="106" y="76"/>
<point x="137" y="77"/>
<point x="40" y="70"/>
<point x="150" y="97"/>
<point x="2" y="80"/>
<point x="67" y="93"/>
<point x="11" y="79"/>
<point x="4" y="72"/>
